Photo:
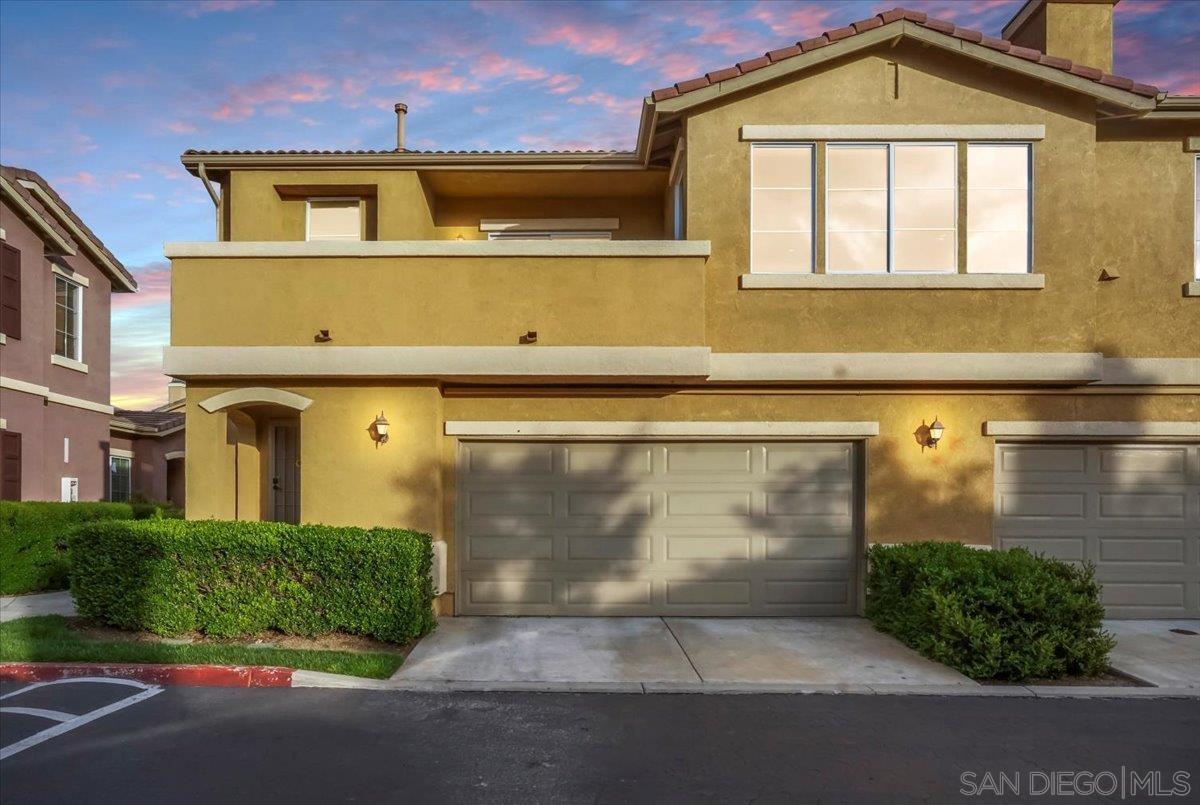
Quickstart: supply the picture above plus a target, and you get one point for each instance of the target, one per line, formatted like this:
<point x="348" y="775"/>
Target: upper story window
<point x="891" y="207"/>
<point x="781" y="207"/>
<point x="68" y="319"/>
<point x="1196" y="231"/>
<point x="10" y="291"/>
<point x="998" y="208"/>
<point x="334" y="219"/>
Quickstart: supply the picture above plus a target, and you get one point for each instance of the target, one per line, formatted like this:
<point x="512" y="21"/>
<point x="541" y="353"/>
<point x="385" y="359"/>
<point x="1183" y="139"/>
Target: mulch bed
<point x="1109" y="679"/>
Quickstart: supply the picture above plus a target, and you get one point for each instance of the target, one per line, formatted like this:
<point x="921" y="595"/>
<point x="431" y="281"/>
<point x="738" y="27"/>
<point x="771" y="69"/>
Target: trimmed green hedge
<point x="231" y="579"/>
<point x="33" y="541"/>
<point x="1009" y="615"/>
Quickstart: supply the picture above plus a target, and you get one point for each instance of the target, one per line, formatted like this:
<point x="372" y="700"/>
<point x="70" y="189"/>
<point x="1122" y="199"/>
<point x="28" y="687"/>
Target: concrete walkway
<point x="24" y="606"/>
<point x="668" y="652"/>
<point x="1151" y="652"/>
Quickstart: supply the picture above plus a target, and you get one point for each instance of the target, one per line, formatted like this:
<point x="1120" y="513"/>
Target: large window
<point x="891" y="207"/>
<point x="998" y="208"/>
<point x="781" y="208"/>
<point x="334" y="219"/>
<point x="1196" y="231"/>
<point x="68" y="319"/>
<point x="119" y="478"/>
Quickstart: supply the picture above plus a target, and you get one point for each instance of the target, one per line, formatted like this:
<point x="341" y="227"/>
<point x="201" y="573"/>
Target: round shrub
<point x="1005" y="615"/>
<point x="233" y="579"/>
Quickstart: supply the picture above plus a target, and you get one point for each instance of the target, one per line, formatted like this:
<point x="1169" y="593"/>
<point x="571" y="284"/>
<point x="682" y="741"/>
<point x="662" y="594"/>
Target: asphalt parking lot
<point x="184" y="745"/>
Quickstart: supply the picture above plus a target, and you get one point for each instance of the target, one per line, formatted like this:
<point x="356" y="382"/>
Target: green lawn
<point x="50" y="638"/>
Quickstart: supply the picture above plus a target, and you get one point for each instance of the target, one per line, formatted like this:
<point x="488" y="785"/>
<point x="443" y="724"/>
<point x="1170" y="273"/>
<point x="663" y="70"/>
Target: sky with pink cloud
<point x="101" y="98"/>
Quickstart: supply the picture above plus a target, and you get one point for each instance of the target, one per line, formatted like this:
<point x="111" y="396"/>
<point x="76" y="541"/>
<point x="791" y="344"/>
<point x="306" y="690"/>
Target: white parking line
<point x="67" y="721"/>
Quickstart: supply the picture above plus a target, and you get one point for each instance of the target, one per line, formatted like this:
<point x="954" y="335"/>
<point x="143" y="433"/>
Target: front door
<point x="284" y="498"/>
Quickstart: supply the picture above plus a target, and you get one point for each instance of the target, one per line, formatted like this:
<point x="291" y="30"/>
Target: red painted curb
<point x="228" y="676"/>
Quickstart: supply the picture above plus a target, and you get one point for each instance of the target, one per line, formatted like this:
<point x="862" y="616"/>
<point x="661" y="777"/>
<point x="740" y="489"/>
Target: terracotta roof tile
<point x="723" y="75"/>
<point x="1085" y="72"/>
<point x="1145" y="89"/>
<point x="866" y="25"/>
<point x="891" y="15"/>
<point x="1029" y="54"/>
<point x="840" y="33"/>
<point x="994" y="43"/>
<point x="1120" y="82"/>
<point x="940" y="25"/>
<point x="753" y="64"/>
<point x="968" y="34"/>
<point x="691" y="84"/>
<point x="783" y="53"/>
<point x="814" y="43"/>
<point x="914" y="16"/>
<point x="663" y="94"/>
<point x="1055" y="62"/>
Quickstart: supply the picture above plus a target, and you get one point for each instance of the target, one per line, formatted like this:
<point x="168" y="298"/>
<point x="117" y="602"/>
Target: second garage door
<point x="1133" y="510"/>
<point x="643" y="528"/>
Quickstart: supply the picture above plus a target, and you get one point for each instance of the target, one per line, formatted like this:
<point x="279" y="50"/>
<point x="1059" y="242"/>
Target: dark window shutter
<point x="10" y="465"/>
<point x="10" y="291"/>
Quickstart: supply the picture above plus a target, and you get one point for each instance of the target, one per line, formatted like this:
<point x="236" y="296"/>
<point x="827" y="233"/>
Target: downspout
<point x="216" y="199"/>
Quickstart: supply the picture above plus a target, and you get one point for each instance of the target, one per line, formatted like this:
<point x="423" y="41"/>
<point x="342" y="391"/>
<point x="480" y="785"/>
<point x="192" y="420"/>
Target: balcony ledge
<point x="440" y="248"/>
<point x="894" y="282"/>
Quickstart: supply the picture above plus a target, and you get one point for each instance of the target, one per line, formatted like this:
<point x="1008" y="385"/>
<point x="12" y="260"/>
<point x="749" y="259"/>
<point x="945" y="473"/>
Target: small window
<point x="334" y="219"/>
<point x="549" y="235"/>
<point x="781" y="208"/>
<point x="891" y="207"/>
<point x="1196" y="230"/>
<point x="119" y="476"/>
<point x="10" y="291"/>
<point x="998" y="208"/>
<point x="68" y="319"/>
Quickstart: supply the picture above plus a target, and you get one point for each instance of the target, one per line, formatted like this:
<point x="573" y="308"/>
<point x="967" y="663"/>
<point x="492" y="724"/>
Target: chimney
<point x="1079" y="30"/>
<point x="401" y="113"/>
<point x="176" y="391"/>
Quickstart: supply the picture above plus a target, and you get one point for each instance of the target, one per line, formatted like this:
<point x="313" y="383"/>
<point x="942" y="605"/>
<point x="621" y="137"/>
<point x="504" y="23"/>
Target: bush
<point x="1008" y="615"/>
<point x="33" y="541"/>
<point x="232" y="579"/>
<point x="145" y="508"/>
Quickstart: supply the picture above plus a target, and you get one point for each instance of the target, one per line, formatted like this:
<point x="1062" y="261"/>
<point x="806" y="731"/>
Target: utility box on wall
<point x="70" y="490"/>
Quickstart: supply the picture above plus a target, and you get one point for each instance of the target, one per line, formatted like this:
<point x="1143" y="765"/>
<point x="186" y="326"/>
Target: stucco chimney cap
<point x="401" y="107"/>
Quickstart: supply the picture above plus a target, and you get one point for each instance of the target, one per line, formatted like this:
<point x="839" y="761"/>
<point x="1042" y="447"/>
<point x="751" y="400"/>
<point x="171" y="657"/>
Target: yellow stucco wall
<point x="616" y="301"/>
<point x="1084" y="217"/>
<point x="1081" y="32"/>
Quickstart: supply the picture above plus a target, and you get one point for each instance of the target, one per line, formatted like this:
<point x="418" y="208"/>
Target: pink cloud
<point x="493" y="65"/>
<point x="608" y="102"/>
<point x="562" y="83"/>
<point x="181" y="127"/>
<point x="603" y="40"/>
<point x="792" y="22"/>
<point x="201" y="7"/>
<point x="83" y="179"/>
<point x="275" y="92"/>
<point x="437" y="79"/>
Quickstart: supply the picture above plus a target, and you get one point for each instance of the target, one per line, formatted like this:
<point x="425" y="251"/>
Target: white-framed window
<point x="333" y="219"/>
<point x="781" y="207"/>
<point x="891" y="208"/>
<point x="1196" y="212"/>
<point x="999" y="208"/>
<point x="120" y="472"/>
<point x="532" y="235"/>
<point x="68" y="319"/>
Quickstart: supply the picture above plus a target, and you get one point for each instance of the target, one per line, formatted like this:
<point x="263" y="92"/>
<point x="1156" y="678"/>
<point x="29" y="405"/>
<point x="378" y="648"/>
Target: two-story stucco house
<point x="900" y="281"/>
<point x="56" y="278"/>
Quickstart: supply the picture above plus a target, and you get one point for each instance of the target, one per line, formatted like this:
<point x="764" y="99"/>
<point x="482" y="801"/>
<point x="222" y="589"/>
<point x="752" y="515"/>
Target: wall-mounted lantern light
<point x="379" y="429"/>
<point x="930" y="435"/>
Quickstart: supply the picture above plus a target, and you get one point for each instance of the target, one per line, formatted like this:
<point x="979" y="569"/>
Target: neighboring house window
<point x="781" y="208"/>
<point x="68" y="319"/>
<point x="119" y="472"/>
<point x="549" y="235"/>
<point x="334" y="219"/>
<point x="10" y="291"/>
<point x="891" y="207"/>
<point x="678" y="210"/>
<point x="998" y="208"/>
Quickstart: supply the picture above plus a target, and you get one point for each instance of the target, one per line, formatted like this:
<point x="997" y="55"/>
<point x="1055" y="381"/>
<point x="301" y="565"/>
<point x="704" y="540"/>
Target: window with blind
<point x="781" y="208"/>
<point x="334" y="219"/>
<point x="68" y="319"/>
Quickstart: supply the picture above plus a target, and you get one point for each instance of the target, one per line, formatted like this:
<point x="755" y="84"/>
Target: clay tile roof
<point x="16" y="175"/>
<point x="919" y="18"/>
<point x="317" y="152"/>
<point x="152" y="420"/>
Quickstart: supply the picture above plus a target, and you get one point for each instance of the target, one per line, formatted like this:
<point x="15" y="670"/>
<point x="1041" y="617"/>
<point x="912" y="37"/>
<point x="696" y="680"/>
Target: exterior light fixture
<point x="930" y="435"/>
<point x="379" y="429"/>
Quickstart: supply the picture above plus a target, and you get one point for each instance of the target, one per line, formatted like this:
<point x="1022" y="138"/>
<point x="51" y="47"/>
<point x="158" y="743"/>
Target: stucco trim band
<point x="899" y="131"/>
<point x="441" y="248"/>
<point x="255" y="396"/>
<point x="171" y="455"/>
<point x="12" y="384"/>
<point x="549" y="224"/>
<point x="1092" y="430"/>
<point x="45" y="230"/>
<point x="907" y="367"/>
<point x="535" y="361"/>
<point x="73" y="276"/>
<point x="659" y="430"/>
<point x="894" y="282"/>
<point x="1191" y="288"/>
<point x="1151" y="372"/>
<point x="119" y="453"/>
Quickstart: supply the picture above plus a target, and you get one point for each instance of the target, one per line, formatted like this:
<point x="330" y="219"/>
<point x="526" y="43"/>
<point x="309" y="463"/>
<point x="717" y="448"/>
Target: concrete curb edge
<point x="229" y="676"/>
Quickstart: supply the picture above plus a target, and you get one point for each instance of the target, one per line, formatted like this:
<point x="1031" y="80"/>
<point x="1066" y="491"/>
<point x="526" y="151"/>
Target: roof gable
<point x="889" y="25"/>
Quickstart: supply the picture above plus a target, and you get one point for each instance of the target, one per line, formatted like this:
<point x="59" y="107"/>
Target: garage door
<point x="642" y="528"/>
<point x="1133" y="510"/>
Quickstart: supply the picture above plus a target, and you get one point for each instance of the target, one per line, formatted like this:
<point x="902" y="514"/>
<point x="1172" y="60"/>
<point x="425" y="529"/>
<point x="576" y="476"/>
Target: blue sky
<point x="101" y="98"/>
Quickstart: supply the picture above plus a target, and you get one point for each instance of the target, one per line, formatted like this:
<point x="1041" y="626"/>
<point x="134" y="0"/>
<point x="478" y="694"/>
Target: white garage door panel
<point x="1133" y="510"/>
<point x="657" y="528"/>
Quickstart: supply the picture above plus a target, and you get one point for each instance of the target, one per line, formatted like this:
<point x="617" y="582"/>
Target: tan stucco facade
<point x="1110" y="197"/>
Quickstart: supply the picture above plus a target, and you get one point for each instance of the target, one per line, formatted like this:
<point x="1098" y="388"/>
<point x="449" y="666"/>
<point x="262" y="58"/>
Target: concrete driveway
<point x="25" y="606"/>
<point x="669" y="651"/>
<point x="1161" y="652"/>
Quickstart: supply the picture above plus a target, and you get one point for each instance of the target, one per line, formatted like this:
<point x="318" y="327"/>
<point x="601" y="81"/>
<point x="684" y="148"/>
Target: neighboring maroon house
<point x="55" y="280"/>
<point x="147" y="451"/>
